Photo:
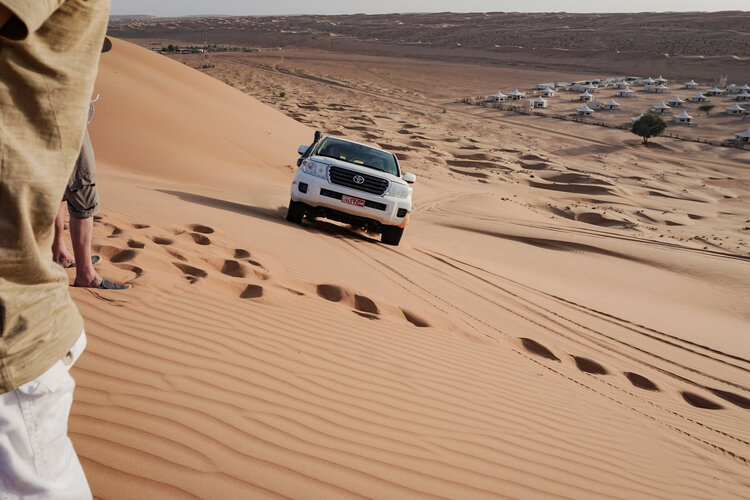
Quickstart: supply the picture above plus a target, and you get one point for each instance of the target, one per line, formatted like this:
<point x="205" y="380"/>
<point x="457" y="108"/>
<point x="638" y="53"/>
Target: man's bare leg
<point x="81" y="234"/>
<point x="60" y="252"/>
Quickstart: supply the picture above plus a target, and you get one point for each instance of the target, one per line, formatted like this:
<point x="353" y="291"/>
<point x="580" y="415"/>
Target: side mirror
<point x="302" y="149"/>
<point x="317" y="135"/>
<point x="410" y="178"/>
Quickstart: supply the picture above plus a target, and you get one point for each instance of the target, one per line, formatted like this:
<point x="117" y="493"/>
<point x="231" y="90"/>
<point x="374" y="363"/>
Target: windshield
<point x="358" y="154"/>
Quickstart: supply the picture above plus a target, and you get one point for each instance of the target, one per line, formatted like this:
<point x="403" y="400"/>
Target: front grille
<point x="337" y="196"/>
<point x="345" y="177"/>
<point x="401" y="213"/>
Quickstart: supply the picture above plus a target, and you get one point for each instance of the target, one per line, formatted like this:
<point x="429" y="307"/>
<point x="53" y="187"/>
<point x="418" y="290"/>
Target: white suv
<point x="353" y="183"/>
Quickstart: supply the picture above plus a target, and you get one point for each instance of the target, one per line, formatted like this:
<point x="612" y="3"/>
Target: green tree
<point x="706" y="108"/>
<point x="649" y="126"/>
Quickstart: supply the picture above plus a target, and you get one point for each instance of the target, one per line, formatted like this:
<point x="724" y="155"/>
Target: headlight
<point x="315" y="168"/>
<point x="399" y="190"/>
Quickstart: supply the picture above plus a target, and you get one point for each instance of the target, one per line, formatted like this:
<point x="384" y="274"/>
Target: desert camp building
<point x="676" y="102"/>
<point x="585" y="111"/>
<point x="498" y="97"/>
<point x="735" y="109"/>
<point x="691" y="85"/>
<point x="683" y="119"/>
<point x="698" y="98"/>
<point x="714" y="91"/>
<point x="610" y="105"/>
<point x="744" y="96"/>
<point x="540" y="102"/>
<point x="661" y="108"/>
<point x="585" y="97"/>
<point x="625" y="92"/>
<point x="548" y="92"/>
<point x="742" y="138"/>
<point x="516" y="95"/>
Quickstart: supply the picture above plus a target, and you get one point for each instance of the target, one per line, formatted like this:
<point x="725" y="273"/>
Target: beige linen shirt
<point x="49" y="52"/>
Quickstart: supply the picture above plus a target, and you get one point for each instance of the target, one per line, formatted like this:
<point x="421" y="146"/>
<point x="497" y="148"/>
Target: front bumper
<point x="318" y="192"/>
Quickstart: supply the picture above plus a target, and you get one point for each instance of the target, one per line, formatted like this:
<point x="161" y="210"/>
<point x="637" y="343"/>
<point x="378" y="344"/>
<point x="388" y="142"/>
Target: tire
<point x="296" y="212"/>
<point x="391" y="235"/>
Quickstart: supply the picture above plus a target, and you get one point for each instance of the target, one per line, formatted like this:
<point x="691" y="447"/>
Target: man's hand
<point x="5" y="14"/>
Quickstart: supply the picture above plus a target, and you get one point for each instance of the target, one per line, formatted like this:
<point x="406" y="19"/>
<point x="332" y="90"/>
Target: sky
<point x="175" y="8"/>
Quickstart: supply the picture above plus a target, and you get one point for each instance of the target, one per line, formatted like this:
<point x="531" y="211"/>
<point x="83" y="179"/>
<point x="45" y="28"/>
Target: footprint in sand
<point x="115" y="230"/>
<point x="331" y="292"/>
<point x="252" y="292"/>
<point x="641" y="382"/>
<point x="240" y="253"/>
<point x="233" y="268"/>
<point x="136" y="244"/>
<point x="141" y="226"/>
<point x="200" y="239"/>
<point x="115" y="254"/>
<point x="535" y="347"/>
<point x="733" y="398"/>
<point x="414" y="319"/>
<point x="161" y="241"/>
<point x="589" y="366"/>
<point x="699" y="401"/>
<point x="255" y="263"/>
<point x="192" y="274"/>
<point x="138" y="271"/>
<point x="202" y="229"/>
<point x="177" y="255"/>
<point x="365" y="307"/>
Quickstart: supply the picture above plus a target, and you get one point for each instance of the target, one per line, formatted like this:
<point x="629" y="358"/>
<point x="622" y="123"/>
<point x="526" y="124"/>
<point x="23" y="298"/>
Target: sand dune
<point x="500" y="351"/>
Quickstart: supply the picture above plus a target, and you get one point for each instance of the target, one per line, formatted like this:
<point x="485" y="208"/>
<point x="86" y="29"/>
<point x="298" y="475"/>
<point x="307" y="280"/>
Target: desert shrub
<point x="649" y="126"/>
<point x="706" y="108"/>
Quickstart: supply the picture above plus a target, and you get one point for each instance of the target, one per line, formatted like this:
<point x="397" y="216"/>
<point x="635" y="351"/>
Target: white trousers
<point x="37" y="459"/>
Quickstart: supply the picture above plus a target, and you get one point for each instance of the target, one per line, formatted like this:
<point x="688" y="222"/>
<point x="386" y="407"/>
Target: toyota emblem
<point x="358" y="179"/>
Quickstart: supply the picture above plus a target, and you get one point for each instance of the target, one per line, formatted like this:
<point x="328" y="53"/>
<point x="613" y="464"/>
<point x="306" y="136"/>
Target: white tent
<point x="743" y="137"/>
<point x="745" y="88"/>
<point x="733" y="89"/>
<point x="626" y="92"/>
<point x="498" y="97"/>
<point x="698" y="98"/>
<point x="661" y="80"/>
<point x="621" y="84"/>
<point x="691" y="85"/>
<point x="714" y="91"/>
<point x="516" y="95"/>
<point x="585" y="96"/>
<point x="660" y="89"/>
<point x="636" y="118"/>
<point x="611" y="105"/>
<point x="647" y="81"/>
<point x="682" y="118"/>
<point x="585" y="111"/>
<point x="676" y="102"/>
<point x="744" y="96"/>
<point x="591" y="88"/>
<point x="661" y="108"/>
<point x="735" y="109"/>
<point x="548" y="92"/>
<point x="540" y="102"/>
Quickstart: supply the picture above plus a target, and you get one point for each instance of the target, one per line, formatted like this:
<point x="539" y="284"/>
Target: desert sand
<point x="566" y="316"/>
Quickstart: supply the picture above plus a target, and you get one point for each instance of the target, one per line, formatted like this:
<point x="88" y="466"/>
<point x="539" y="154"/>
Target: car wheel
<point x="391" y="235"/>
<point x="296" y="212"/>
